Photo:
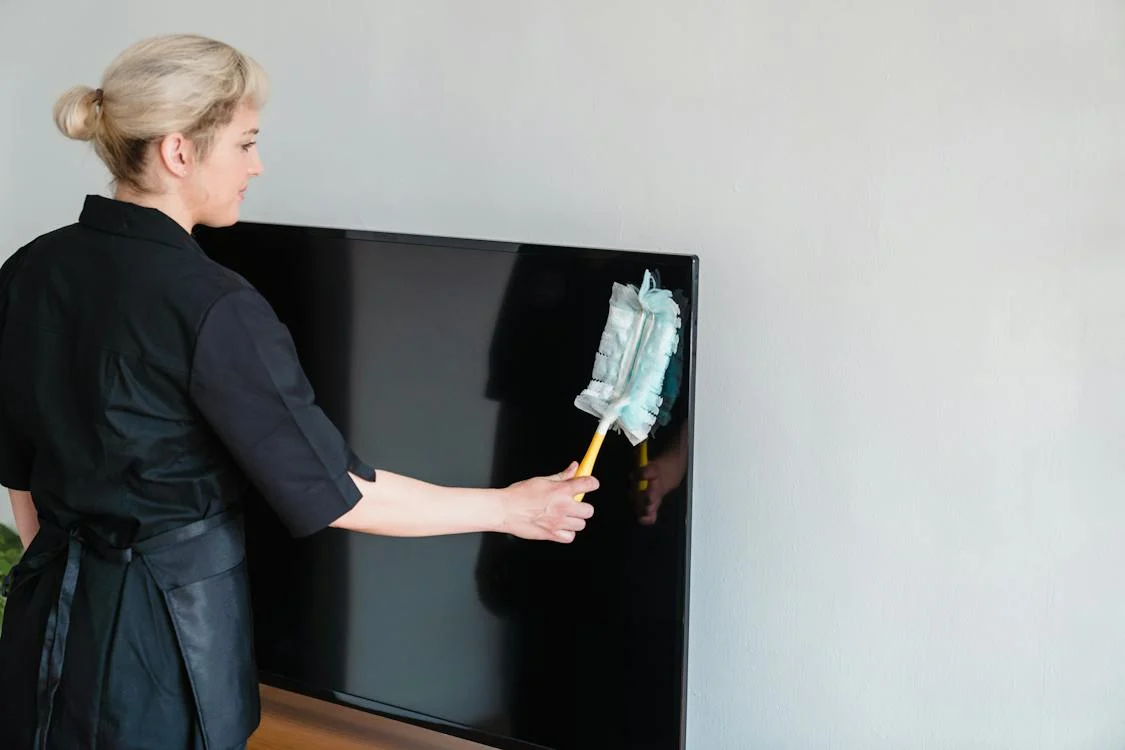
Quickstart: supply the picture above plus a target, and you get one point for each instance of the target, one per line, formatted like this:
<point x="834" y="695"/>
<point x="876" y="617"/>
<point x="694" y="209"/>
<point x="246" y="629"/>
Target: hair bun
<point x="76" y="113"/>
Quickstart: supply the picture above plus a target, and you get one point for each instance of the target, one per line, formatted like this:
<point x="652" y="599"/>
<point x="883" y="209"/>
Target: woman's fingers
<point x="579" y="485"/>
<point x="564" y="506"/>
<point x="571" y="523"/>
<point x="566" y="473"/>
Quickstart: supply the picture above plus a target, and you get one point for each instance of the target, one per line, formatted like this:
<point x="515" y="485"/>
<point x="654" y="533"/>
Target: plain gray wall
<point x="911" y="420"/>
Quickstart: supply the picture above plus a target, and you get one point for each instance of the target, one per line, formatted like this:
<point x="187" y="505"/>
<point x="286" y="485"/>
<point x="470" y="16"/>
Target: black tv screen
<point x="458" y="362"/>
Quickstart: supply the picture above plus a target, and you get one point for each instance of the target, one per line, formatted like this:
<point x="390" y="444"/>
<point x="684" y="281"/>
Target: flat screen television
<point x="457" y="362"/>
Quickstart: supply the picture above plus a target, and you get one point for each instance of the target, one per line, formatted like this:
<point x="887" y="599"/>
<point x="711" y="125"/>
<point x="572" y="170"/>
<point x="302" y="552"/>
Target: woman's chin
<point x="219" y="219"/>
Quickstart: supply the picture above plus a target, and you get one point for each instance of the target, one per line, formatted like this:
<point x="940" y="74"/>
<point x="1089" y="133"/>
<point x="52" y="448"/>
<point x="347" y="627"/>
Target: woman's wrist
<point x="496" y="513"/>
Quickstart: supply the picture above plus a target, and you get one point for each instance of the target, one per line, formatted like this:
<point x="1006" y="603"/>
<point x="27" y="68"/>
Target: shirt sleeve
<point x="16" y="456"/>
<point x="16" y="452"/>
<point x="249" y="385"/>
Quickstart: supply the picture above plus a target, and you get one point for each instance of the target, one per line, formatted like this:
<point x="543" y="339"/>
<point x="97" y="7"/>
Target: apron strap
<point x="184" y="533"/>
<point x="54" y="643"/>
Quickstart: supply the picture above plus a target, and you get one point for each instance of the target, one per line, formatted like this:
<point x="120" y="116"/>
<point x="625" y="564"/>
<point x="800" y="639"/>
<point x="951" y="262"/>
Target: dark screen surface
<point x="457" y="362"/>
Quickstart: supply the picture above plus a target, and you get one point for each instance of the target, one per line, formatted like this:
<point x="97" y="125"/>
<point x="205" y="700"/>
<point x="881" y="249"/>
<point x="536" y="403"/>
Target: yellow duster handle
<point x="586" y="468"/>
<point x="642" y="461"/>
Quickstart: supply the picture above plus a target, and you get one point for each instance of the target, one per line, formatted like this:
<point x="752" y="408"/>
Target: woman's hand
<point x="543" y="508"/>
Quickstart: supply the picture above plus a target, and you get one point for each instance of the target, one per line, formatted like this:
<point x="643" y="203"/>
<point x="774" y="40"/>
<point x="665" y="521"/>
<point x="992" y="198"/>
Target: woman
<point x="142" y="386"/>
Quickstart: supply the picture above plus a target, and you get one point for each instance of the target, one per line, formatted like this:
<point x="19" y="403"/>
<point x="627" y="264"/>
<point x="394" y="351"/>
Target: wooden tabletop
<point x="296" y="722"/>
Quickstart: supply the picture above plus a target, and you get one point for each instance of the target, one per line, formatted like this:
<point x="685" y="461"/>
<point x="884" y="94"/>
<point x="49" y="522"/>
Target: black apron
<point x="200" y="569"/>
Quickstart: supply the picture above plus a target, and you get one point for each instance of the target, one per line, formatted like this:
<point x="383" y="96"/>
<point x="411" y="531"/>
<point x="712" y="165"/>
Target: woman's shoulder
<point x="58" y="236"/>
<point x="204" y="282"/>
<point x="36" y="247"/>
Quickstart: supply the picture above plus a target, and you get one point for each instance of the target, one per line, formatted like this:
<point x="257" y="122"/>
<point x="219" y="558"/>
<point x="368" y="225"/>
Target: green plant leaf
<point x="10" y="552"/>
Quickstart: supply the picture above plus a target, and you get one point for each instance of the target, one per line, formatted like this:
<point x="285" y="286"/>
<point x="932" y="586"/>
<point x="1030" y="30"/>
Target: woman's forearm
<point x="27" y="519"/>
<point x="396" y="505"/>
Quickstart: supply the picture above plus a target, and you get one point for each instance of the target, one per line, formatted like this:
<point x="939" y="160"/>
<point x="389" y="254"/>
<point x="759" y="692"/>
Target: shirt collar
<point x="132" y="220"/>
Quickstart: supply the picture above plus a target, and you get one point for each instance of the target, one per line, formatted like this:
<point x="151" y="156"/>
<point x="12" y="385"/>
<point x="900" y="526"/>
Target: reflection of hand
<point x="543" y="508"/>
<point x="663" y="474"/>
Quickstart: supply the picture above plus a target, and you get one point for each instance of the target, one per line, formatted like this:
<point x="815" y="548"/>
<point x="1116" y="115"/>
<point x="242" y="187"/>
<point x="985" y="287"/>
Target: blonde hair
<point x="181" y="83"/>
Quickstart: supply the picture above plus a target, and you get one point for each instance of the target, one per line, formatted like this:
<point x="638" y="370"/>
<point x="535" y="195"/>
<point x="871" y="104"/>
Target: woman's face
<point x="215" y="188"/>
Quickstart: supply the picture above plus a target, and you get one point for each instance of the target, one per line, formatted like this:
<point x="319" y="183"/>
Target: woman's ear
<point x="176" y="154"/>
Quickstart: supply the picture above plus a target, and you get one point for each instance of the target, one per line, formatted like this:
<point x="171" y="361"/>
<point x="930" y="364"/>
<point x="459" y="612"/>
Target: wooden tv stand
<point x="296" y="722"/>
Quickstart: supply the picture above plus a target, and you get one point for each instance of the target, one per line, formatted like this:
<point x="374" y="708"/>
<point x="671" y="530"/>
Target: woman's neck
<point x="169" y="204"/>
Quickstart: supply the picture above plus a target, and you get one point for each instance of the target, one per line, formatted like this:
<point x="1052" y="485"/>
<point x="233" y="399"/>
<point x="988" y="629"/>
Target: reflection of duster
<point x="628" y="387"/>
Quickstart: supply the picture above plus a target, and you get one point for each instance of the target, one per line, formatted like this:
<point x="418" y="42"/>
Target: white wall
<point x="911" y="423"/>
